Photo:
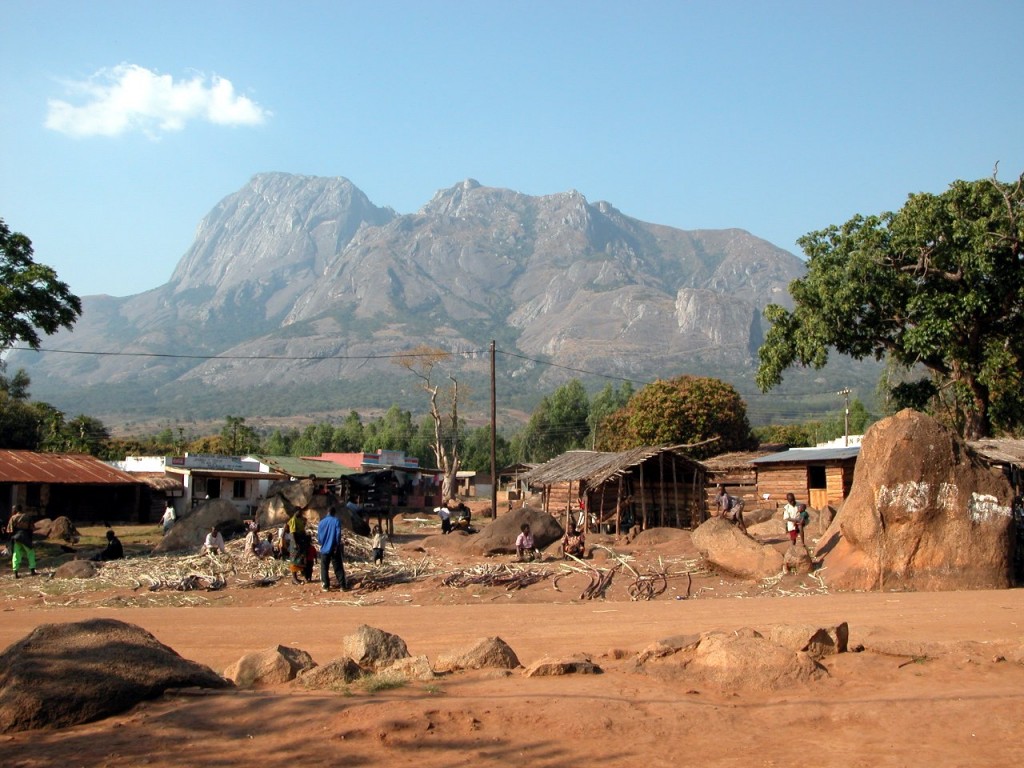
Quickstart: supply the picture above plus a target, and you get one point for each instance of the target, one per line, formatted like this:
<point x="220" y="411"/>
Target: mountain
<point x="307" y="267"/>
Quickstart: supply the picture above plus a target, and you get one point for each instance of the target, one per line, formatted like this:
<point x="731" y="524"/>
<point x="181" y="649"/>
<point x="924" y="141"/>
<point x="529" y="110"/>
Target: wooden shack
<point x="649" y="486"/>
<point x="819" y="477"/>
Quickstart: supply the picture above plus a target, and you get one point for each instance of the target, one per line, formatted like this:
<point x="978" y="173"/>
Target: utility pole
<point x="494" y="441"/>
<point x="845" y="392"/>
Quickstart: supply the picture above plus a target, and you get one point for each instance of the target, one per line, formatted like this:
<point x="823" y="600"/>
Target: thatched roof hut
<point x="650" y="486"/>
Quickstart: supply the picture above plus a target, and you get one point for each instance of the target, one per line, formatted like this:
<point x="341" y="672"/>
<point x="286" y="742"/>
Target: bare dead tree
<point x="424" y="363"/>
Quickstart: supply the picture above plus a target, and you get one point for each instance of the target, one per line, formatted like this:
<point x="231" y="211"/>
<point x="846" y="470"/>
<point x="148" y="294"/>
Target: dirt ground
<point x="940" y="680"/>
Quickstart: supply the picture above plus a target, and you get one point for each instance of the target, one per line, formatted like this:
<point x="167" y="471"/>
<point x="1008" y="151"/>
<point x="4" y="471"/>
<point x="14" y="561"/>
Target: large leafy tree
<point x="558" y="424"/>
<point x="680" y="411"/>
<point x="937" y="285"/>
<point x="32" y="299"/>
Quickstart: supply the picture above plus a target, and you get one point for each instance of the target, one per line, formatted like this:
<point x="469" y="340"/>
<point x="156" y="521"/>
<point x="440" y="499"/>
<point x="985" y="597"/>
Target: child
<point x="525" y="544"/>
<point x="377" y="543"/>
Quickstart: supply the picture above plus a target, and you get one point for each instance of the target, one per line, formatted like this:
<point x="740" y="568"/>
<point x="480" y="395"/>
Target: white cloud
<point x="132" y="98"/>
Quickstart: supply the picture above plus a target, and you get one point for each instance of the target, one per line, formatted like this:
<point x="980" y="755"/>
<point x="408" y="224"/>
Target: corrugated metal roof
<point x="999" y="450"/>
<point x="805" y="455"/>
<point x="65" y="468"/>
<point x="293" y="466"/>
<point x="595" y="466"/>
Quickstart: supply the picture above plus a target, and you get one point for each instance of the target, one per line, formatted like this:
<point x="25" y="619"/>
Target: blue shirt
<point x="328" y="533"/>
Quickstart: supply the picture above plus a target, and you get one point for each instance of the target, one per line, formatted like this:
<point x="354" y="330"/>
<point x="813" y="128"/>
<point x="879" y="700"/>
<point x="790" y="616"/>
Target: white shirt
<point x="214" y="541"/>
<point x="791" y="514"/>
<point x="443" y="512"/>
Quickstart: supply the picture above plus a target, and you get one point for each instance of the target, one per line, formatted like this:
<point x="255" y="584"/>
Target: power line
<point x="398" y="356"/>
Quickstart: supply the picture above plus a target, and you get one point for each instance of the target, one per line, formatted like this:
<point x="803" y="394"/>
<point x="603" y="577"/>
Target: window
<point x="238" y="492"/>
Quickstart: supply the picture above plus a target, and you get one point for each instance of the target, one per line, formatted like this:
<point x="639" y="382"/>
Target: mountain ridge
<point x="308" y="267"/>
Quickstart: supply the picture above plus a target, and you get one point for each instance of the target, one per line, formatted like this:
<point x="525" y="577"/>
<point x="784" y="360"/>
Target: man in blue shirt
<point x="332" y="550"/>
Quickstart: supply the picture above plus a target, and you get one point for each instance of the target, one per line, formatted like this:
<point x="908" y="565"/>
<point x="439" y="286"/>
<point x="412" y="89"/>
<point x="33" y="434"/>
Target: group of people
<point x="22" y="543"/>
<point x="455" y="518"/>
<point x="573" y="543"/>
<point x="794" y="514"/>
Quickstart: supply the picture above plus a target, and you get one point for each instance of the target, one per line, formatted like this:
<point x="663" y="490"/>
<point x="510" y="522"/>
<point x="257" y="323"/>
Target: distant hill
<point x="307" y="267"/>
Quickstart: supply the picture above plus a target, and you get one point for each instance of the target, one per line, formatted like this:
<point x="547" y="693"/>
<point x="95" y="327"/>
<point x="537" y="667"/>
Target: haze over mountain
<point x="308" y="267"/>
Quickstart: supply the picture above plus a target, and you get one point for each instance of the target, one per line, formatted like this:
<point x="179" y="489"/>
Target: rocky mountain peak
<point x="293" y="267"/>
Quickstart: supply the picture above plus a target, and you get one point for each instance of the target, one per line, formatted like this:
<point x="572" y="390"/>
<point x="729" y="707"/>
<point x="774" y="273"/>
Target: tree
<point x="424" y="362"/>
<point x="938" y="284"/>
<point x="680" y="411"/>
<point x="238" y="438"/>
<point x="32" y="299"/>
<point x="604" y="404"/>
<point x="558" y="424"/>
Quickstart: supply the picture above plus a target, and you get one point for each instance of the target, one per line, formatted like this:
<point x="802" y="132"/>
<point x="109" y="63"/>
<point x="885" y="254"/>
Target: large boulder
<point x="746" y="659"/>
<point x="499" y="538"/>
<point x="334" y="675"/>
<point x="75" y="569"/>
<point x="65" y="674"/>
<point x="188" y="533"/>
<point x="271" y="666"/>
<point x="486" y="653"/>
<point x="815" y="640"/>
<point x="60" y="528"/>
<point x="726" y="547"/>
<point x="374" y="648"/>
<point x="923" y="513"/>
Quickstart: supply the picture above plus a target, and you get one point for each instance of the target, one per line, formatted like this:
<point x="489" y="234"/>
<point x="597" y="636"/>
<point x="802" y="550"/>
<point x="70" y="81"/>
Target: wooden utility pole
<point x="494" y="441"/>
<point x="845" y="392"/>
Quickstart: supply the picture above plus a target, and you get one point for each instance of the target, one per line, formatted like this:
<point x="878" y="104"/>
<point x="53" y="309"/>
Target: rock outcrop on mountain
<point x="302" y="267"/>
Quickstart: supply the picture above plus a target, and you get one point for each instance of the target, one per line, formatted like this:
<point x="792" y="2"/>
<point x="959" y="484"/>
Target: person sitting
<point x="214" y="543"/>
<point x="113" y="550"/>
<point x="525" y="548"/>
<point x="265" y="547"/>
<point x="573" y="543"/>
<point x="252" y="540"/>
<point x="465" y="518"/>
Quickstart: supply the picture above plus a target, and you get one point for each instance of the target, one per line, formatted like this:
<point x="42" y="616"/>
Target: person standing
<point x="20" y="528"/>
<point x="168" y="519"/>
<point x="377" y="545"/>
<point x="332" y="550"/>
<point x="446" y="518"/>
<point x="793" y="515"/>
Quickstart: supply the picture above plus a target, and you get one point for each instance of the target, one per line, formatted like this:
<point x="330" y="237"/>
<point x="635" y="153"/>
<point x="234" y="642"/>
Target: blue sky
<point x="123" y="123"/>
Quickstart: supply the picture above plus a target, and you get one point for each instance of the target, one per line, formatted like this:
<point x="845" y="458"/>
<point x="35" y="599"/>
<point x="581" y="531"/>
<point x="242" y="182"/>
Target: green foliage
<point x="237" y="438"/>
<point x="791" y="435"/>
<point x="683" y="410"/>
<point x="557" y="425"/>
<point x="604" y="404"/>
<point x="476" y="450"/>
<point x="32" y="299"/>
<point x="939" y="284"/>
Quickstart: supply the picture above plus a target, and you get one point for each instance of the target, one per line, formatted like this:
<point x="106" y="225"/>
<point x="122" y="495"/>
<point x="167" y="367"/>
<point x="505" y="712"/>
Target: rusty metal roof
<point x="597" y="467"/>
<point x="66" y="468"/>
<point x="1000" y="450"/>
